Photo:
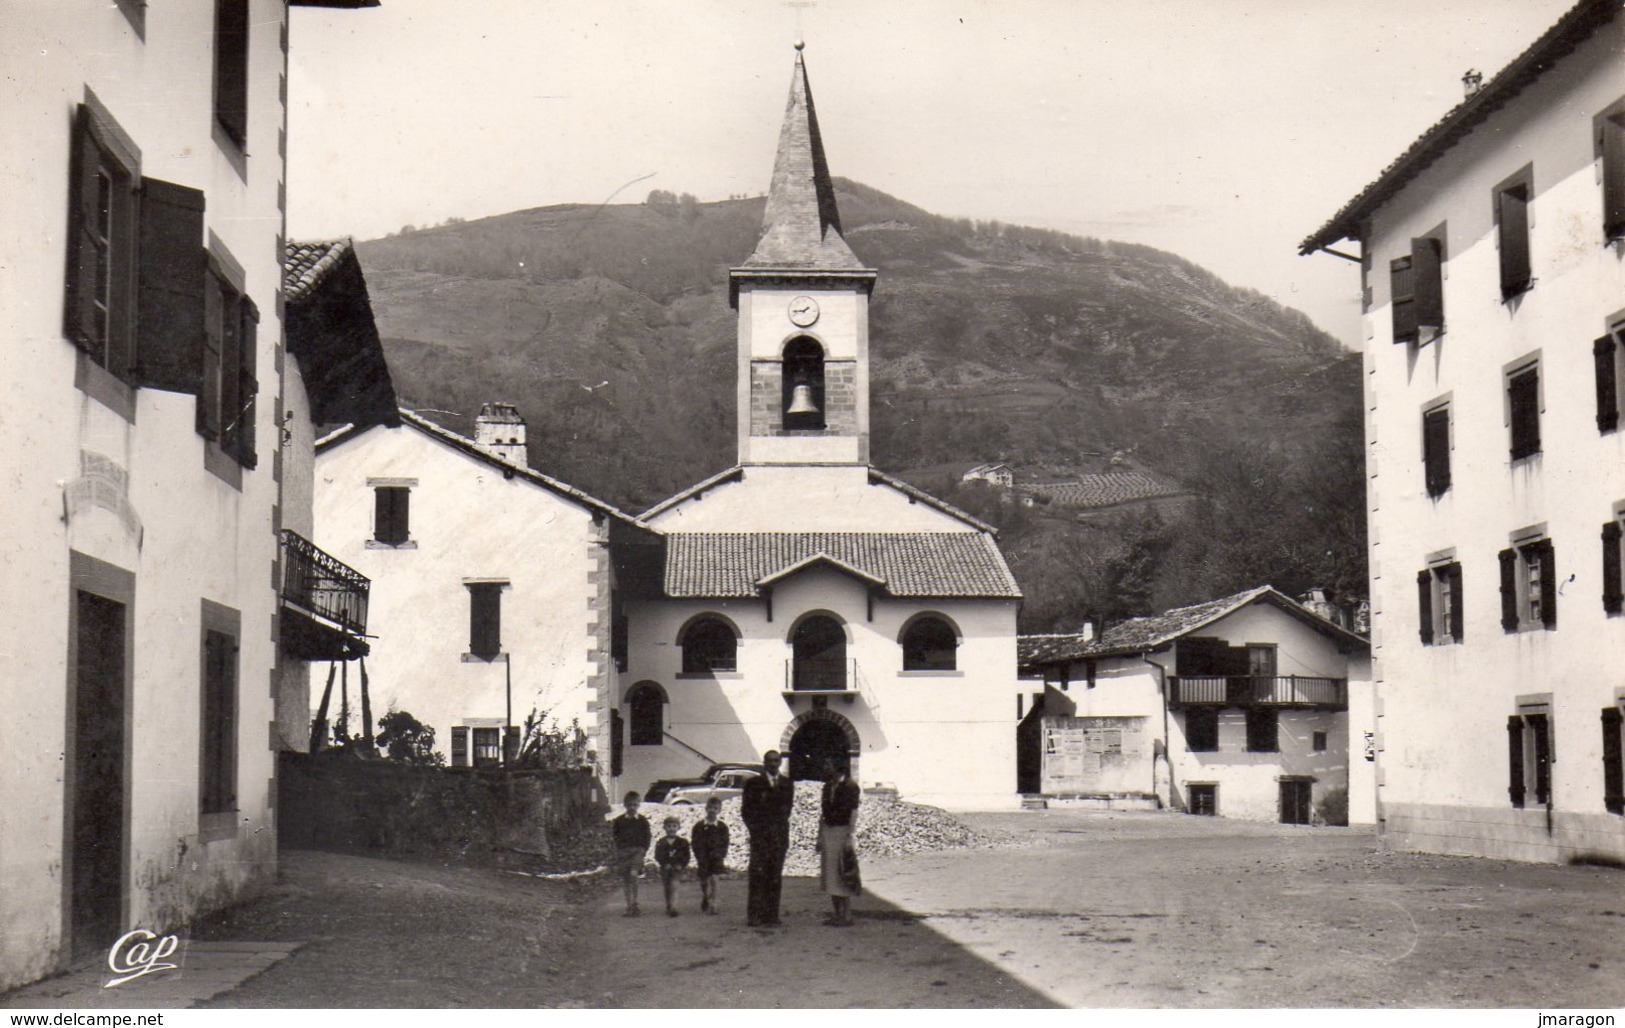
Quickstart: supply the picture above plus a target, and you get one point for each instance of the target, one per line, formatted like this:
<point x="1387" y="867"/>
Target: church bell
<point x="801" y="400"/>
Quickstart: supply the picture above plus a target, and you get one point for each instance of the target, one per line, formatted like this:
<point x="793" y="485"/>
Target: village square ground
<point x="1092" y="910"/>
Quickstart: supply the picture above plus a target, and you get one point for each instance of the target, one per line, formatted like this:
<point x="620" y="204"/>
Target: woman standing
<point x="835" y="846"/>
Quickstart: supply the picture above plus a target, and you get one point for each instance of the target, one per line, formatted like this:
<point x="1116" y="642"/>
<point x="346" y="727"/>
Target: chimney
<point x="1472" y="82"/>
<point x="500" y="431"/>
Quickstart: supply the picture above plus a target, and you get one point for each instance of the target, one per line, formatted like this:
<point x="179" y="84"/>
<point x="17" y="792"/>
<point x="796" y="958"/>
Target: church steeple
<point x="803" y="302"/>
<point x="801" y="227"/>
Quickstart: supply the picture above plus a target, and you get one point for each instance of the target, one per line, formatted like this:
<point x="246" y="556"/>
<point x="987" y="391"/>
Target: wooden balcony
<point x="324" y="603"/>
<point x="1258" y="691"/>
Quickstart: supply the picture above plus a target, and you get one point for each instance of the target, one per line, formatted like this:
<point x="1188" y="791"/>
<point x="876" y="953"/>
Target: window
<point x="485" y="619"/>
<point x="1529" y="755"/>
<point x="818" y="647"/>
<point x="1529" y="586"/>
<point x="1523" y="403"/>
<point x="1611" y="149"/>
<point x="487" y="747"/>
<point x="1613" y="767"/>
<point x="1613" y="586"/>
<point x="1605" y="356"/>
<point x="646" y="702"/>
<point x="1416" y="283"/>
<point x="1512" y="232"/>
<point x="1204" y="799"/>
<point x="1439" y="604"/>
<point x="231" y="69"/>
<point x="1317" y="742"/>
<point x="709" y="645"/>
<point x="1202" y="729"/>
<point x="803" y="386"/>
<point x="391" y="514"/>
<point x="459" y="746"/>
<point x="1263" y="730"/>
<point x="1436" y="450"/>
<point x="225" y="403"/>
<point x="219" y="728"/>
<point x="931" y="644"/>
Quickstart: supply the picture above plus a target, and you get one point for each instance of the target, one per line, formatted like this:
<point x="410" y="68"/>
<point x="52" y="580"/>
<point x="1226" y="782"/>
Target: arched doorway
<point x="815" y="736"/>
<point x="819" y="645"/>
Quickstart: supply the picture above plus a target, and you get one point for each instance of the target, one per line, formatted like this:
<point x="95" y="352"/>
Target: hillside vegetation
<point x="609" y="328"/>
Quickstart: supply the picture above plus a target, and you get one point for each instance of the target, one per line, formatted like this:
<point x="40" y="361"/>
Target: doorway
<point x="814" y="742"/>
<point x="96" y="795"/>
<point x="1295" y="794"/>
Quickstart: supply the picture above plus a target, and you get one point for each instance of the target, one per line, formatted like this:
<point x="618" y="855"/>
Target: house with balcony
<point x="808" y="602"/>
<point x="154" y="434"/>
<point x="1249" y="706"/>
<point x="1491" y="255"/>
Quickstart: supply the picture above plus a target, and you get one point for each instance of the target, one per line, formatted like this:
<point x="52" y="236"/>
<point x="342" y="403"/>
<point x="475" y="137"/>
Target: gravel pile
<point x="886" y="828"/>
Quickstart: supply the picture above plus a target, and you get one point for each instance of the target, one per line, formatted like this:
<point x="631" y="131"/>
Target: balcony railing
<point x="827" y="676"/>
<point x="322" y="585"/>
<point x="1258" y="690"/>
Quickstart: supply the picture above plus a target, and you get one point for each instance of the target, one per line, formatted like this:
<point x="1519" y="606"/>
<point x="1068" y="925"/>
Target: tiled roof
<point x="1140" y="635"/>
<point x="306" y="264"/>
<point x="913" y="564"/>
<point x="801" y="228"/>
<point x="1105" y="489"/>
<point x="1583" y="19"/>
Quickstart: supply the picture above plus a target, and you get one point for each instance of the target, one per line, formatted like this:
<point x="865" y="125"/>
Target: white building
<point x="145" y="384"/>
<point x="1493" y="269"/>
<point x="808" y="602"/>
<point x="492" y="583"/>
<point x="1249" y="706"/>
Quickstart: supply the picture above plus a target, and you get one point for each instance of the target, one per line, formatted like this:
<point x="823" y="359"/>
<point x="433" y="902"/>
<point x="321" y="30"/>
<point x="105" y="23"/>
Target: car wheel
<point x="682" y="803"/>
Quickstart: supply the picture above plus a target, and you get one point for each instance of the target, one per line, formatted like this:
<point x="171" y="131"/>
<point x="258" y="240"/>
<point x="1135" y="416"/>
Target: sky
<point x="1224" y="131"/>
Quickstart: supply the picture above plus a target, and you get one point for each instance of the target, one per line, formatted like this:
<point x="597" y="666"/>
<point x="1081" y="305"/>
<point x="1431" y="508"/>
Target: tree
<point x="547" y="746"/>
<point x="408" y="740"/>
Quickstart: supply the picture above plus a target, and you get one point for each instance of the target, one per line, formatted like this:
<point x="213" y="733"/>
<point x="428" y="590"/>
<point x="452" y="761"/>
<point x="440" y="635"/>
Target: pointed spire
<point x="801" y="227"/>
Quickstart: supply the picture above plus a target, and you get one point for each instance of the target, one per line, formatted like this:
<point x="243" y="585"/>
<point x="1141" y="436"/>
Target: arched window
<point x="929" y="644"/>
<point x="803" y="366"/>
<point x="709" y="644"/>
<point x="819" y="645"/>
<point x="646" y="702"/>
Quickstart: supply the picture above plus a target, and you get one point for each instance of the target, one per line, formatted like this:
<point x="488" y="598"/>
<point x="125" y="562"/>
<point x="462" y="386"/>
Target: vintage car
<point x="658" y="789"/>
<point x="727" y="785"/>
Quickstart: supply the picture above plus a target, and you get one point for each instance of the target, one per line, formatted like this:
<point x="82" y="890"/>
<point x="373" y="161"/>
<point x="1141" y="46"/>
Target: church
<point x="806" y="601"/>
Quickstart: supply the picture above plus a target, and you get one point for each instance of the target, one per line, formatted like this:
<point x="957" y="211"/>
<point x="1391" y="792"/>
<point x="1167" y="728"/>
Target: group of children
<point x="707" y="845"/>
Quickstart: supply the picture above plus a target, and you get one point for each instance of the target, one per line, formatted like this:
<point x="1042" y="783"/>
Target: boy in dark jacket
<point x="671" y="853"/>
<point x="710" y="838"/>
<point x="631" y="833"/>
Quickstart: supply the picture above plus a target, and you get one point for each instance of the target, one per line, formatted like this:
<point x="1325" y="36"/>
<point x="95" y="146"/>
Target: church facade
<point x="809" y="602"/>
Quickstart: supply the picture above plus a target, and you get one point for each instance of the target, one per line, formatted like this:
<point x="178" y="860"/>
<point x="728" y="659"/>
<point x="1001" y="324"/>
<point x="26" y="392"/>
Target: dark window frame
<point x="485" y="746"/>
<point x="646" y="715"/>
<point x="102" y="252"/>
<point x="231" y="78"/>
<point x="485" y="619"/>
<point x="1613" y="760"/>
<point x="219" y="710"/>
<point x="710" y="644"/>
<point x="1613" y="566"/>
<point x="1609" y="143"/>
<point x="1436" y="446"/>
<point x="803" y="362"/>
<point x="228" y="397"/>
<point x="930" y="642"/>
<point x="1529" y="585"/>
<point x="1202" y="729"/>
<point x="1263" y="730"/>
<point x="1607" y="365"/>
<point x="392" y="514"/>
<point x="1524" y="409"/>
<point x="1511" y="200"/>
<point x="1440" y="604"/>
<point x="1416" y="291"/>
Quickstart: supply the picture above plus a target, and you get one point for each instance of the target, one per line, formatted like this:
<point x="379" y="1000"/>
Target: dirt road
<point x="1140" y="910"/>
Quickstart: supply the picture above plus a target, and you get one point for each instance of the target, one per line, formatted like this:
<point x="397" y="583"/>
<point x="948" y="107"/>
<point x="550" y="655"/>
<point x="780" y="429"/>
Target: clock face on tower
<point x="803" y="311"/>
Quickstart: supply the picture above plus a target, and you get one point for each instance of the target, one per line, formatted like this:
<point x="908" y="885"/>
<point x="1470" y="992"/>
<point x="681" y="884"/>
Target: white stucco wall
<point x="1442" y="709"/>
<point x="467" y="521"/>
<point x="939" y="737"/>
<point x="198" y="537"/>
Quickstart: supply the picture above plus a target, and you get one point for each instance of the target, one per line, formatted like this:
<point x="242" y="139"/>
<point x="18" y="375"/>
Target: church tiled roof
<point x="801" y="228"/>
<point x="915" y="564"/>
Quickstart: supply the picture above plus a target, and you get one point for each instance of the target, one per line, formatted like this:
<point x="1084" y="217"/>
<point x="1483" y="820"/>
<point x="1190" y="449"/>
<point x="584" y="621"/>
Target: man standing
<point x="765" y="807"/>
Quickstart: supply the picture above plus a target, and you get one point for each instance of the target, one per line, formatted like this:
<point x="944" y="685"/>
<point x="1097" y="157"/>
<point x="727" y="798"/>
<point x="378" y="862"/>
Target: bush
<point x="1333" y="807"/>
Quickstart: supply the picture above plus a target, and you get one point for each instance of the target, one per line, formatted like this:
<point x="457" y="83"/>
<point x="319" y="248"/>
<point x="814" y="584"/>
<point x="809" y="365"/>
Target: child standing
<point x="671" y="853"/>
<point x="710" y="852"/>
<point x="631" y="832"/>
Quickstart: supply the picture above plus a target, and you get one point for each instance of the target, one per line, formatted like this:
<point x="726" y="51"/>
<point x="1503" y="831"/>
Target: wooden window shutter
<point x="1401" y="286"/>
<point x="1613" y="762"/>
<point x="1436" y="450"/>
<point x="617" y="742"/>
<point x="485" y="620"/>
<point x="231" y="363"/>
<point x="1613" y="177"/>
<point x="1524" y="392"/>
<point x="1427" y="267"/>
<point x="1515" y="787"/>
<point x="172" y="279"/>
<point x="1512" y="209"/>
<point x="510" y="744"/>
<point x="208" y="397"/>
<point x="231" y="68"/>
<point x="1602" y="354"/>
<point x="1424" y="606"/>
<point x="1509" y="590"/>
<point x="390" y="514"/>
<point x="248" y="385"/>
<point x="1548" y="582"/>
<point x="459" y="746"/>
<point x="80" y="316"/>
<point x="1458" y="612"/>
<point x="1613" y="585"/>
<point x="1541" y="727"/>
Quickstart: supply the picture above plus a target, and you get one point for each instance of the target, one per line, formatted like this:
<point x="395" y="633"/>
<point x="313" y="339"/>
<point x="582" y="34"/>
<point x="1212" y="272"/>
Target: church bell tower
<point x="803" y="303"/>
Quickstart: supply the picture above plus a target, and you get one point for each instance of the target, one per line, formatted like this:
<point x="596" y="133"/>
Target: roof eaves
<point x="731" y="474"/>
<point x="820" y="558"/>
<point x="1556" y="42"/>
<point x="920" y="495"/>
